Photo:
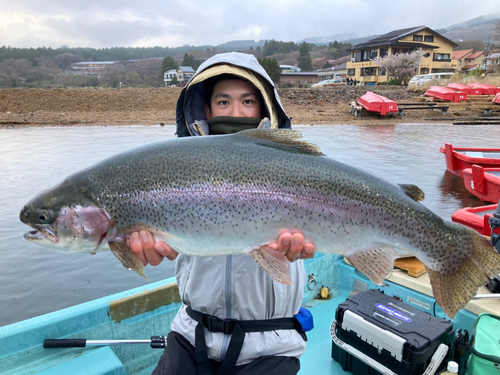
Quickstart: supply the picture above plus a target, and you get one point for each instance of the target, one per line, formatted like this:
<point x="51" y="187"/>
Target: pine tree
<point x="272" y="67"/>
<point x="304" y="61"/>
<point x="168" y="63"/>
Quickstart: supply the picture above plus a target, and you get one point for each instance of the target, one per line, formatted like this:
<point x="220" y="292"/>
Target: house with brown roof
<point x="468" y="58"/>
<point x="437" y="53"/>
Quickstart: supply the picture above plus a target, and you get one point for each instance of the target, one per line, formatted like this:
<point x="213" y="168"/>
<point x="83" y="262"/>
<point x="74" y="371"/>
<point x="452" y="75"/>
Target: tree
<point x="304" y="61"/>
<point x="400" y="65"/>
<point x="272" y="67"/>
<point x="168" y="63"/>
<point x="189" y="60"/>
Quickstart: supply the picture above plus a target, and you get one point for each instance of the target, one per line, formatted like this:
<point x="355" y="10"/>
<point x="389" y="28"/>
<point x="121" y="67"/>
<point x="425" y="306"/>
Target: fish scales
<point x="223" y="194"/>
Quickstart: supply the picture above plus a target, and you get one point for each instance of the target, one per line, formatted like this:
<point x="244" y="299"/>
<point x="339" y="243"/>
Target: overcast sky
<point x="144" y="23"/>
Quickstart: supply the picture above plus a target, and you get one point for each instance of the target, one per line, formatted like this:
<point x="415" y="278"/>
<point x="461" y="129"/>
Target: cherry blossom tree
<point x="400" y="65"/>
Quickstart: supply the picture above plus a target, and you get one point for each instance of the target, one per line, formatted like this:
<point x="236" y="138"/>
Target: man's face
<point x="234" y="98"/>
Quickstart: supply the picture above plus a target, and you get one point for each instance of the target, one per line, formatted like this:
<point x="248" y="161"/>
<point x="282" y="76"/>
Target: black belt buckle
<point x="214" y="324"/>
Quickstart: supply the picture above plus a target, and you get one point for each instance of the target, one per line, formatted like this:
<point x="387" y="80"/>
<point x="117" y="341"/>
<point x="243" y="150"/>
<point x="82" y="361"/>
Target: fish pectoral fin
<point x="274" y="263"/>
<point x="375" y="262"/>
<point x="126" y="256"/>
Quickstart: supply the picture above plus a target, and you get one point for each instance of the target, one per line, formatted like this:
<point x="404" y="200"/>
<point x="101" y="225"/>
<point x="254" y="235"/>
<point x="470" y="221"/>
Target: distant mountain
<point x="479" y="29"/>
<point x="327" y="39"/>
<point x="475" y="21"/>
<point x="475" y="28"/>
<point x="241" y="44"/>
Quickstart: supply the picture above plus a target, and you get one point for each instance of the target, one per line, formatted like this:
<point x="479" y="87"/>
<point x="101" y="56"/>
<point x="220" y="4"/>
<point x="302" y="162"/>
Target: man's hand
<point x="147" y="250"/>
<point x="293" y="245"/>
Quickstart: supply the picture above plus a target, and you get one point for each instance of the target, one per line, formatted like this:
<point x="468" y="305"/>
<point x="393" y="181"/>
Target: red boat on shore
<point x="446" y="94"/>
<point x="484" y="183"/>
<point x="485" y="89"/>
<point x="476" y="218"/>
<point x="457" y="159"/>
<point x="496" y="99"/>
<point x="464" y="88"/>
<point x="377" y="103"/>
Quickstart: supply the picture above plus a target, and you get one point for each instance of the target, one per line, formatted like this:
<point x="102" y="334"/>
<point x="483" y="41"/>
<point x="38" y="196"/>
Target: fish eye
<point x="42" y="216"/>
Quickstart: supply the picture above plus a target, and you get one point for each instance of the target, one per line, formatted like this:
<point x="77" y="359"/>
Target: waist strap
<point x="235" y="327"/>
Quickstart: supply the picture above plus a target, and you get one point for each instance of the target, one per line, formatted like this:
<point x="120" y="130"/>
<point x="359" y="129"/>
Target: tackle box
<point x="374" y="333"/>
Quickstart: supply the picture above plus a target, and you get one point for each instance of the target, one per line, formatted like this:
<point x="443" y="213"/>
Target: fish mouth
<point x="41" y="234"/>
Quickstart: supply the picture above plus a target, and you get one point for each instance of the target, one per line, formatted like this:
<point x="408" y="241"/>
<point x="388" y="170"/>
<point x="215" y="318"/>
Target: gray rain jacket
<point x="234" y="286"/>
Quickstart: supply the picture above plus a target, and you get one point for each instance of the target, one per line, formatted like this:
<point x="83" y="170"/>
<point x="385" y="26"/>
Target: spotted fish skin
<point x="219" y="195"/>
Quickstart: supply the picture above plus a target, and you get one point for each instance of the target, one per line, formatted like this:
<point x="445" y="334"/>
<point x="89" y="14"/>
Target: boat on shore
<point x="446" y="94"/>
<point x="485" y="89"/>
<point x="459" y="158"/>
<point x="496" y="99"/>
<point x="145" y="312"/>
<point x="484" y="183"/>
<point x="372" y="102"/>
<point x="468" y="90"/>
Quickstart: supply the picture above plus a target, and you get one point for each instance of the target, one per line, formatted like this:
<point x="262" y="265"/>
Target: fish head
<point x="66" y="218"/>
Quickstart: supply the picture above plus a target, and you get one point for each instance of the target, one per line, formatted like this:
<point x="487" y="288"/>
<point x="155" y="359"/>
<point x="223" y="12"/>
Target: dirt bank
<point x="39" y="107"/>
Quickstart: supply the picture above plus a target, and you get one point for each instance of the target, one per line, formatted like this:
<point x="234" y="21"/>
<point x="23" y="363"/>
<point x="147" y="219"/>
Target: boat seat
<point x="102" y="361"/>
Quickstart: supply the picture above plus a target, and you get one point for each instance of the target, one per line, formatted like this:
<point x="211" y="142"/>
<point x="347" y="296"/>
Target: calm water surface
<point x="35" y="280"/>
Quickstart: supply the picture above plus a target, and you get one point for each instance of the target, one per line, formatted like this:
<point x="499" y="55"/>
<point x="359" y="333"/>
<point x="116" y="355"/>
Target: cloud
<point x="110" y="23"/>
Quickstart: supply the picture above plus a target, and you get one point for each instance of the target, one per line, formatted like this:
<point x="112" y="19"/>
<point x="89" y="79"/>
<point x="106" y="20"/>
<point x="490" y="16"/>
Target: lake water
<point x="35" y="280"/>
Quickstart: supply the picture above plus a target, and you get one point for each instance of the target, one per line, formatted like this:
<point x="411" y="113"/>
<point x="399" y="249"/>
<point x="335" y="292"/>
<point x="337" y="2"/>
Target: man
<point x="231" y="92"/>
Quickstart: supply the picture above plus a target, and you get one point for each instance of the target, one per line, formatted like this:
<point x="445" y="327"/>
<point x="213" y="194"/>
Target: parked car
<point x="337" y="81"/>
<point x="415" y="80"/>
<point x="435" y="77"/>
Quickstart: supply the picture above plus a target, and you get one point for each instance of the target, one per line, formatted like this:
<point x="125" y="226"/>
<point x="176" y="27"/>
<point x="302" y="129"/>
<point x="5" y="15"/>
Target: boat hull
<point x="484" y="183"/>
<point x="446" y="94"/>
<point x="477" y="218"/>
<point x="485" y="89"/>
<point x="377" y="103"/>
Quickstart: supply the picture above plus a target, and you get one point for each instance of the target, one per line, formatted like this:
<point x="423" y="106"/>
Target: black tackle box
<point x="383" y="330"/>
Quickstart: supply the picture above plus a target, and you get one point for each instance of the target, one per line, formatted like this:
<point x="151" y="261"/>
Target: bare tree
<point x="148" y="72"/>
<point x="400" y="65"/>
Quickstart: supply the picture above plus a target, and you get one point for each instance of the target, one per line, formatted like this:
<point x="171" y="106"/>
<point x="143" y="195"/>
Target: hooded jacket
<point x="234" y="286"/>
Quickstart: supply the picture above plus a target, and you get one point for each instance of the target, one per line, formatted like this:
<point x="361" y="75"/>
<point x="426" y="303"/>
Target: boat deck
<point x="147" y="311"/>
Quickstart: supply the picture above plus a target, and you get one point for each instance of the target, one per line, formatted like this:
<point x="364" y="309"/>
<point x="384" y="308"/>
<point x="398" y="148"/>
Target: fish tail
<point x="126" y="256"/>
<point x="454" y="290"/>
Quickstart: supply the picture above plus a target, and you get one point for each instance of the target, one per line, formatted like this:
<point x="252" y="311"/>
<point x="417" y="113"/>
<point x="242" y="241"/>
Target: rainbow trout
<point x="217" y="195"/>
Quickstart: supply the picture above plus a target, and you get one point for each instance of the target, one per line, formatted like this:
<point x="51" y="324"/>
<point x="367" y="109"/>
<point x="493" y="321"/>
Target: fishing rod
<point x="156" y="342"/>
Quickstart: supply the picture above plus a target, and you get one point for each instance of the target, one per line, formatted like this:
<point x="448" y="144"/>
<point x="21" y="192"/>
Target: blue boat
<point x="147" y="311"/>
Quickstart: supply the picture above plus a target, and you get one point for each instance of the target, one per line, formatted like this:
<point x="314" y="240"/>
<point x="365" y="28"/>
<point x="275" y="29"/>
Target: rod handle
<point x="64" y="343"/>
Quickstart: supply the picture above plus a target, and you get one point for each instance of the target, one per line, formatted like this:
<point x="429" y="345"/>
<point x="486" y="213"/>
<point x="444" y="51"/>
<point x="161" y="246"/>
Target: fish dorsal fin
<point x="413" y="191"/>
<point x="284" y="137"/>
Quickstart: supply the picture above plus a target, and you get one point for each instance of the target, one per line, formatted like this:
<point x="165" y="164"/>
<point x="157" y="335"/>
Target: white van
<point x="415" y="80"/>
<point x="436" y="77"/>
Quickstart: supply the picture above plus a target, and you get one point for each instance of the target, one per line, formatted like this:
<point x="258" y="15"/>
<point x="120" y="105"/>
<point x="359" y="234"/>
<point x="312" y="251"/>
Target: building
<point x="91" y="67"/>
<point x="493" y="59"/>
<point x="468" y="59"/>
<point x="168" y="76"/>
<point x="437" y="53"/>
<point x="184" y="74"/>
<point x="289" y="68"/>
<point x="332" y="72"/>
<point x="306" y="77"/>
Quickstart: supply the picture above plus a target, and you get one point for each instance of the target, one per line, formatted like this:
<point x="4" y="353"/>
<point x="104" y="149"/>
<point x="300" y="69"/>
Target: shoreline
<point x="156" y="106"/>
